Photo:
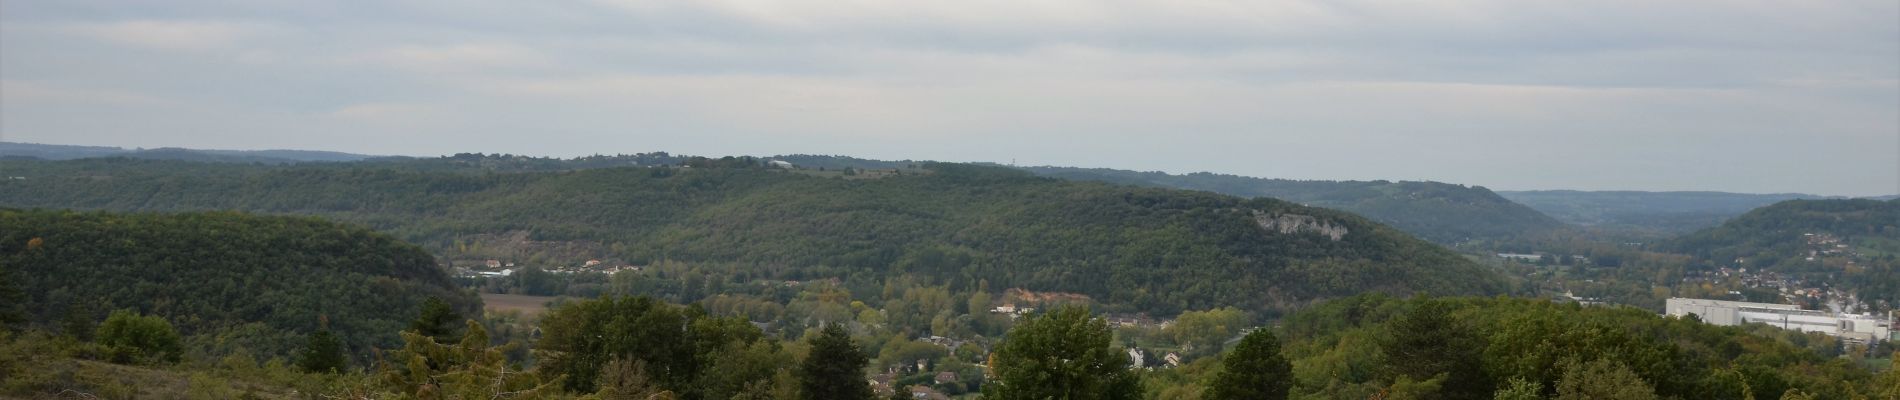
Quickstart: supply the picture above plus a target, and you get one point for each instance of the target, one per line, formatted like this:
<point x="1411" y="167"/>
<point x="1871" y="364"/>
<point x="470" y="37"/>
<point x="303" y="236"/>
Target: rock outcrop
<point x="1295" y="223"/>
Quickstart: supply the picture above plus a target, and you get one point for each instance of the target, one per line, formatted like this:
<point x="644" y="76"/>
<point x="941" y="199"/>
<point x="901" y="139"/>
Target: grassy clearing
<point x="528" y="306"/>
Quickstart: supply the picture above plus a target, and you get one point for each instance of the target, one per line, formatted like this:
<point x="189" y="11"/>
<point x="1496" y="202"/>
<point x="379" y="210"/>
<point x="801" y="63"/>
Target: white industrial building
<point x="1861" y="328"/>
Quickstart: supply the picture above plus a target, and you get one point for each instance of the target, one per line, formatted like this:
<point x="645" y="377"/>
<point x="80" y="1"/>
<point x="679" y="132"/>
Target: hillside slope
<point x="1440" y="212"/>
<point x="1154" y="249"/>
<point x="230" y="280"/>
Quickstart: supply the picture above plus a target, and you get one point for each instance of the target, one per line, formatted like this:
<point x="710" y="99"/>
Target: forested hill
<point x="1667" y="213"/>
<point x="1786" y="228"/>
<point x="1854" y="244"/>
<point x="1440" y="212"/>
<point x="1149" y="249"/>
<point x="227" y="280"/>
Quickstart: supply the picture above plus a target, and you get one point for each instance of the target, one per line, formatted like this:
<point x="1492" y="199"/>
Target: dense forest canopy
<point x="229" y="280"/>
<point x="1440" y="212"/>
<point x="1150" y="249"/>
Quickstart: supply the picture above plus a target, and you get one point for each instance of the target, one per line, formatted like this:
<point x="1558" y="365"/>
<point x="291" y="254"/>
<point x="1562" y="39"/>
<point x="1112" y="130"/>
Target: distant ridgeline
<point x="1136" y="248"/>
<point x="1857" y="240"/>
<point x="1662" y="213"/>
<point x="64" y="152"/>
<point x="227" y="280"/>
<point x="1440" y="212"/>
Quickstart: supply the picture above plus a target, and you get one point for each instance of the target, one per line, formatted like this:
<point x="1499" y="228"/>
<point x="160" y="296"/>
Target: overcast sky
<point x="1748" y="96"/>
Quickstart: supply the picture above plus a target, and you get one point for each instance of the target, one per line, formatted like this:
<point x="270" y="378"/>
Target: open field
<point x="527" y="305"/>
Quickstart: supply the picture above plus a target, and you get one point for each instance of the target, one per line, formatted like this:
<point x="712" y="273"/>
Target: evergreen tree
<point x="437" y="320"/>
<point x="79" y="322"/>
<point x="1254" y="370"/>
<point x="323" y="353"/>
<point x="835" y="368"/>
<point x="12" y="301"/>
<point x="1064" y="354"/>
<point x="1428" y="342"/>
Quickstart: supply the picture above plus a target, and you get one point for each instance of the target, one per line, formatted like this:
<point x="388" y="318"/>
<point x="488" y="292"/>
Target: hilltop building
<point x="1850" y="327"/>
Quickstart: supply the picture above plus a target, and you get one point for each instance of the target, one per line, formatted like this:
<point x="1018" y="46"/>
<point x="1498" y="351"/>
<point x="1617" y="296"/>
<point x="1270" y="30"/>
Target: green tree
<point x="437" y="320"/>
<point x="672" y="345"/>
<point x="1520" y="389"/>
<point x="323" y="352"/>
<point x="1888" y="384"/>
<point x="1254" y="370"/>
<point x="1428" y="342"/>
<point x="80" y="322"/>
<point x="739" y="370"/>
<point x="1064" y="354"/>
<point x="1602" y="379"/>
<point x="12" y="300"/>
<point x="835" y="367"/>
<point x="133" y="338"/>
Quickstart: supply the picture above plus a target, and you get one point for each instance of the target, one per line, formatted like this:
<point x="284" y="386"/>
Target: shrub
<point x="133" y="338"/>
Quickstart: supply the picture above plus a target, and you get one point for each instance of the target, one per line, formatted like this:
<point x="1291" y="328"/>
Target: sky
<point x="1737" y="95"/>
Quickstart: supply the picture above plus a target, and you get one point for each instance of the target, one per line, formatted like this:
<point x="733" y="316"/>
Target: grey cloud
<point x="1731" y="95"/>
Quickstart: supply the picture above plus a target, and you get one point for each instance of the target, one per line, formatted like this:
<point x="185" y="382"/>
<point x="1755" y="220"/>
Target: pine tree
<point x="324" y="352"/>
<point x="1064" y="354"/>
<point x="835" y="368"/>
<point x="79" y="323"/>
<point x="1429" y="342"/>
<point x="1254" y="370"/>
<point x="12" y="300"/>
<point x="437" y="320"/>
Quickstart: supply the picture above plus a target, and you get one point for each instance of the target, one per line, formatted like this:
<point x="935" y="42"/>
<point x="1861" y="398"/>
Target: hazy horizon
<point x="1746" y="97"/>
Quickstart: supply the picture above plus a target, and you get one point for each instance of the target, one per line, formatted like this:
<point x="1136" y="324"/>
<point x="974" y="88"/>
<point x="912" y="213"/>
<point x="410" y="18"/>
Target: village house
<point x="881" y="384"/>
<point x="946" y="377"/>
<point x="922" y="392"/>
